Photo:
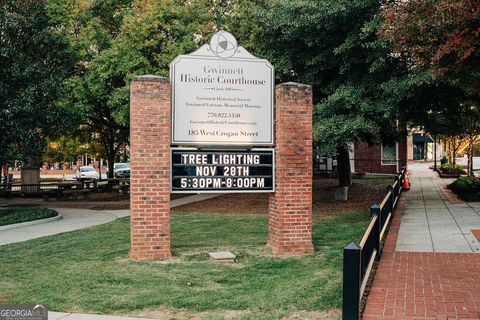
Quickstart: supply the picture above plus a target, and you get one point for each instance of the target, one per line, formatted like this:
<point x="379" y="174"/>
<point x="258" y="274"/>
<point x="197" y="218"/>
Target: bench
<point x="75" y="193"/>
<point x="52" y="193"/>
<point x="6" y="193"/>
<point x="122" y="188"/>
<point x="88" y="182"/>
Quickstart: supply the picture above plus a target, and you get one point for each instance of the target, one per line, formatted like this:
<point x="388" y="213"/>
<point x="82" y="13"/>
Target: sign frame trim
<point x="224" y="143"/>
<point x="219" y="191"/>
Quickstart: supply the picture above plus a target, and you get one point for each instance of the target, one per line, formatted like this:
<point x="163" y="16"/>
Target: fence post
<point x="399" y="184"/>
<point x="375" y="210"/>
<point x="395" y="190"/>
<point x="351" y="282"/>
<point x="392" y="198"/>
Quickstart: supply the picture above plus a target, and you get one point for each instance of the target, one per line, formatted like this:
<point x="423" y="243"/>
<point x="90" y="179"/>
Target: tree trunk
<point x="111" y="162"/>
<point x="470" y="156"/>
<point x="110" y="152"/>
<point x="343" y="167"/>
<point x="30" y="176"/>
<point x="454" y="151"/>
<point x="449" y="149"/>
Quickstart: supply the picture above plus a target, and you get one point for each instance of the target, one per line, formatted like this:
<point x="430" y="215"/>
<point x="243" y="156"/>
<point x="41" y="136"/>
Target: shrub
<point x="449" y="168"/>
<point x="467" y="188"/>
<point x="19" y="214"/>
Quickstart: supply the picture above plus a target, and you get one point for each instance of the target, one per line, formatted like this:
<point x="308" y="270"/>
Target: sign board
<point x="222" y="95"/>
<point x="225" y="171"/>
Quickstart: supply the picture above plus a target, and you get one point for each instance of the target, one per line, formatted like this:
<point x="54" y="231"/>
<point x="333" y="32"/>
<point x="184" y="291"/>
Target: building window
<point x="389" y="154"/>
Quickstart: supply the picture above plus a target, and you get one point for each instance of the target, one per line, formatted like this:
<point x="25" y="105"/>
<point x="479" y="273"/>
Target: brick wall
<point x="290" y="207"/>
<point x="150" y="168"/>
<point x="369" y="159"/>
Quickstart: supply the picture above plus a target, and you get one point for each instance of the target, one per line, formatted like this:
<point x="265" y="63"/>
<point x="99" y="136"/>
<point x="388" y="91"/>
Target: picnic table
<point x="121" y="186"/>
<point x="65" y="190"/>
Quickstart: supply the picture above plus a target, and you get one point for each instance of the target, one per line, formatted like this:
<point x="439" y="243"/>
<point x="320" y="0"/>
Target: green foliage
<point x="257" y="285"/>
<point x="65" y="148"/>
<point x="35" y="62"/>
<point x="450" y="48"/>
<point x="450" y="168"/>
<point x="334" y="46"/>
<point x="467" y="188"/>
<point x="116" y="41"/>
<point x="24" y="214"/>
<point x="447" y="54"/>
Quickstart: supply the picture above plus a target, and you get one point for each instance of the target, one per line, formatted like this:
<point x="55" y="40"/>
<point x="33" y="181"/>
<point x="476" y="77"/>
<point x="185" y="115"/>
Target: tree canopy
<point x="441" y="35"/>
<point x="375" y="68"/>
<point x="35" y="62"/>
<point x="334" y="46"/>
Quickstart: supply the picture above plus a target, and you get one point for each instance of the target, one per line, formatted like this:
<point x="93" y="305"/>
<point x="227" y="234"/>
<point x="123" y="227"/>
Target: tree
<point x="334" y="46"/>
<point x="471" y="118"/>
<point x="128" y="39"/>
<point x="441" y="35"/>
<point x="35" y="62"/>
<point x="63" y="149"/>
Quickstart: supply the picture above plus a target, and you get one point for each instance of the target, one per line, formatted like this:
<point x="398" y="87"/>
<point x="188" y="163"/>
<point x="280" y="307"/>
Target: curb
<point x="31" y="223"/>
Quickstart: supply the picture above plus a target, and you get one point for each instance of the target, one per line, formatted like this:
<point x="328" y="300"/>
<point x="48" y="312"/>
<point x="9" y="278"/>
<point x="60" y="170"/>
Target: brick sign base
<point x="290" y="207"/>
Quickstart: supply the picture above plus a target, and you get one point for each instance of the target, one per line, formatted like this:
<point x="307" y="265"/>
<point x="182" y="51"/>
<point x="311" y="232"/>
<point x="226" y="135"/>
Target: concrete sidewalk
<point x="75" y="219"/>
<point x="430" y="223"/>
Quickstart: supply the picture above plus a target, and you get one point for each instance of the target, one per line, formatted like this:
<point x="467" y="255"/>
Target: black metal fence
<point x="358" y="259"/>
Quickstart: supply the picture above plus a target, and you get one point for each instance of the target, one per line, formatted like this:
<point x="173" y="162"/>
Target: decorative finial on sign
<point x="223" y="44"/>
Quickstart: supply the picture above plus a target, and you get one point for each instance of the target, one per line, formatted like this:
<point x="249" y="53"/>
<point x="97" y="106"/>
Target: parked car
<point x="87" y="173"/>
<point x="121" y="170"/>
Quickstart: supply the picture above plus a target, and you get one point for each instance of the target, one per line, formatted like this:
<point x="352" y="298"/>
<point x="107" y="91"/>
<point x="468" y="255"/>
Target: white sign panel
<point x="222" y="95"/>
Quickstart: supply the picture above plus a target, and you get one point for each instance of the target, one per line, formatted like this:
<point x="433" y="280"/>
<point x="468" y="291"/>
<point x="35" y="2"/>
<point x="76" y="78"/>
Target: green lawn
<point x="89" y="270"/>
<point x="21" y="214"/>
<point x="374" y="181"/>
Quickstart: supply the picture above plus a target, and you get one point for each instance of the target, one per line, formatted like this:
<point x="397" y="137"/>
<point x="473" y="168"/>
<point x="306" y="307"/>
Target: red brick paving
<point x="476" y="233"/>
<point x="451" y="197"/>
<point x="423" y="285"/>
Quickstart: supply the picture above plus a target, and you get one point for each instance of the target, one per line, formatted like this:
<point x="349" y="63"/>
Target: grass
<point x="374" y="181"/>
<point x="18" y="215"/>
<point x="89" y="270"/>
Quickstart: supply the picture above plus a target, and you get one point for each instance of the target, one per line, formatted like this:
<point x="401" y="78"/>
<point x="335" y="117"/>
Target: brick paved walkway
<point x="423" y="285"/>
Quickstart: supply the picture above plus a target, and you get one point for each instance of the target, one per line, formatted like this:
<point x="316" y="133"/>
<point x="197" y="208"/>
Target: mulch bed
<point x="359" y="196"/>
<point x="448" y="175"/>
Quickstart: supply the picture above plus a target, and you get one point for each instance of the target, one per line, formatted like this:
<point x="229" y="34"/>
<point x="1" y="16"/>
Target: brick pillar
<point x="150" y="168"/>
<point x="290" y="207"/>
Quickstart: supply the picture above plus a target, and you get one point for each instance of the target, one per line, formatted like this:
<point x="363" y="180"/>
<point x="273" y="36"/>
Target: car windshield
<point x="87" y="169"/>
<point x="121" y="166"/>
